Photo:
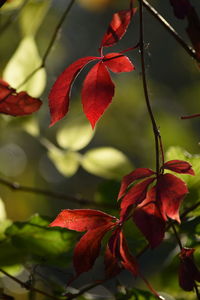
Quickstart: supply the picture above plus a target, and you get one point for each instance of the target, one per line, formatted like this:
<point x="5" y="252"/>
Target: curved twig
<point x="171" y="30"/>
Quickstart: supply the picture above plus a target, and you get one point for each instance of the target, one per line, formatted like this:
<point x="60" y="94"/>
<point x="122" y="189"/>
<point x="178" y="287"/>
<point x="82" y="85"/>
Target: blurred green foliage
<point x="49" y="158"/>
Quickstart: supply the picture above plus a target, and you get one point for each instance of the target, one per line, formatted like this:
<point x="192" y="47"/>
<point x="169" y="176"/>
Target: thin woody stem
<point x="28" y="287"/>
<point x="161" y="150"/>
<point x="171" y="30"/>
<point x="51" y="43"/>
<point x="190" y="117"/>
<point x="15" y="186"/>
<point x="176" y="235"/>
<point x="154" y="125"/>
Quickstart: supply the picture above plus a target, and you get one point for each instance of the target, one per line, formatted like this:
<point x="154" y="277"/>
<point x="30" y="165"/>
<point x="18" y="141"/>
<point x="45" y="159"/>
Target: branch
<point x="171" y="30"/>
<point x="145" y="88"/>
<point x="190" y="117"/>
<point x="27" y="286"/>
<point x="189" y="209"/>
<point x="51" y="43"/>
<point x="17" y="187"/>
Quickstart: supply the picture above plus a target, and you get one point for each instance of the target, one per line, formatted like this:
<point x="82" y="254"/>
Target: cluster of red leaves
<point x="97" y="224"/>
<point x="98" y="88"/>
<point x="16" y="104"/>
<point x="183" y="9"/>
<point x="149" y="207"/>
<point x="188" y="271"/>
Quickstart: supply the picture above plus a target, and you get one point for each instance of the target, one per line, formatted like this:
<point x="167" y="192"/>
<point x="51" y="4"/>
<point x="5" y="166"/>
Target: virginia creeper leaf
<point x="60" y="92"/>
<point x="128" y="261"/>
<point x="16" y="104"/>
<point x="188" y="271"/>
<point x="97" y="92"/>
<point x="88" y="248"/>
<point x="179" y="166"/>
<point x="112" y="267"/>
<point x="138" y="173"/>
<point x="148" y="219"/>
<point x="117" y="63"/>
<point x="170" y="191"/>
<point x="82" y="219"/>
<point x="113" y="242"/>
<point x="117" y="27"/>
<point x="134" y="196"/>
<point x="119" y="251"/>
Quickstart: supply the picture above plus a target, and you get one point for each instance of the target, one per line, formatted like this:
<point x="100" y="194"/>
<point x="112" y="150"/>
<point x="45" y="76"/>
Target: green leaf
<point x="107" y="192"/>
<point x="180" y="153"/>
<point x="31" y="126"/>
<point x="11" y="255"/>
<point x="32" y="16"/>
<point x="13" y="270"/>
<point x="25" y="60"/>
<point x="2" y="211"/>
<point x="106" y="162"/>
<point x="36" y="238"/>
<point x="12" y="5"/>
<point x="66" y="162"/>
<point x="75" y="134"/>
<point x="3" y="225"/>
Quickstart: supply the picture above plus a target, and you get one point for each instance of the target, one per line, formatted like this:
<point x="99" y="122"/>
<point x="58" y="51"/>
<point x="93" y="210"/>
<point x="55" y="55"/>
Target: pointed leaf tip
<point x="117" y="27"/>
<point x="88" y="249"/>
<point x="171" y="191"/>
<point x="179" y="166"/>
<point x="60" y="92"/>
<point x="97" y="92"/>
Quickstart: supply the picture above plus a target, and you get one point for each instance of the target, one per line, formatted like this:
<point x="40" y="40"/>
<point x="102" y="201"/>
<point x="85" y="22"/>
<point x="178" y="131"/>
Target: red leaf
<point x="97" y="92"/>
<point x="193" y="30"/>
<point x="128" y="261"/>
<point x="118" y="62"/>
<point x="112" y="267"/>
<point x="82" y="219"/>
<point x="170" y="190"/>
<point x="138" y="173"/>
<point x="148" y="219"/>
<point x="179" y="166"/>
<point x="188" y="271"/>
<point x="113" y="242"/>
<point x="134" y="196"/>
<point x="16" y="104"/>
<point x="88" y="248"/>
<point x="60" y="92"/>
<point x="117" y="27"/>
<point x="119" y="250"/>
